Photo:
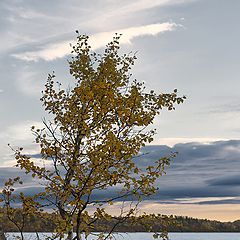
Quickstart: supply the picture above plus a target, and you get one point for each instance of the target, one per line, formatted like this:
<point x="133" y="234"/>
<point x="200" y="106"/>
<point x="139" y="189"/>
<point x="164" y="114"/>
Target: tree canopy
<point x="89" y="145"/>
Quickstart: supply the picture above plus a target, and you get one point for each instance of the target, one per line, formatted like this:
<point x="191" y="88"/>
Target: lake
<point x="148" y="236"/>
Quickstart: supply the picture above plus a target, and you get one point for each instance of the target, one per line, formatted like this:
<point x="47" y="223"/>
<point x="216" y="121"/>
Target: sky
<point x="191" y="45"/>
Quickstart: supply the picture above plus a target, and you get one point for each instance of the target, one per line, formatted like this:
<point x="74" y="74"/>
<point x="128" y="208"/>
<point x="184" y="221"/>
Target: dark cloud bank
<point x="198" y="171"/>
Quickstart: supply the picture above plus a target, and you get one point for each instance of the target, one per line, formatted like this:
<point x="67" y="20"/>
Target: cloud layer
<point x="98" y="40"/>
<point x="200" y="174"/>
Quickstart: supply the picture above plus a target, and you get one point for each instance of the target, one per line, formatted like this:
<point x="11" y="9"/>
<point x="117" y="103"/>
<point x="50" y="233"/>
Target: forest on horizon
<point x="146" y="223"/>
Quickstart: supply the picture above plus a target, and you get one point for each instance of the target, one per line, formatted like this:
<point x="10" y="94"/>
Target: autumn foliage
<point x="97" y="129"/>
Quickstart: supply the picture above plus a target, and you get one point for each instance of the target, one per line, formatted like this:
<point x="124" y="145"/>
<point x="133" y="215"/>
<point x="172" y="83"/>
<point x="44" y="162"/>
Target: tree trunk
<point x="78" y="232"/>
<point x="70" y="235"/>
<point x="2" y="235"/>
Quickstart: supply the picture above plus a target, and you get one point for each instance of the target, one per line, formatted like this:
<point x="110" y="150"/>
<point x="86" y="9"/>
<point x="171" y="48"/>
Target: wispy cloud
<point x="124" y="8"/>
<point x="17" y="135"/>
<point x="20" y="132"/>
<point x="141" y="5"/>
<point x="29" y="82"/>
<point x="58" y="50"/>
<point x="173" y="141"/>
<point x="201" y="200"/>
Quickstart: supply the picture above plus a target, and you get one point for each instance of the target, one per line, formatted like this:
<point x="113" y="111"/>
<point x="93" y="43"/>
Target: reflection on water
<point x="145" y="236"/>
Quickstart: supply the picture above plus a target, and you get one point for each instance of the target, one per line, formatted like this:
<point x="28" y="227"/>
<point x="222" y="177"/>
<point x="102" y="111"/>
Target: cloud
<point x="17" y="135"/>
<point x="20" y="132"/>
<point x="118" y="9"/>
<point x="44" y="26"/>
<point x="61" y="49"/>
<point x="202" y="200"/>
<point x="173" y="141"/>
<point x="226" y="108"/>
<point x="28" y="82"/>
<point x="225" y="181"/>
<point x="12" y="172"/>
<point x="141" y="5"/>
<point x="201" y="174"/>
<point x="200" y="170"/>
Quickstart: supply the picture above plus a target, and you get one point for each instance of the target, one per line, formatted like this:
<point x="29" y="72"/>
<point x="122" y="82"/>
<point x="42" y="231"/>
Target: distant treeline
<point x="147" y="223"/>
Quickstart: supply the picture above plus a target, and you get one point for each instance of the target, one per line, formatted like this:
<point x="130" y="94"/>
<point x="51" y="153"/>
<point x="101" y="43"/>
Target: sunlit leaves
<point x="98" y="128"/>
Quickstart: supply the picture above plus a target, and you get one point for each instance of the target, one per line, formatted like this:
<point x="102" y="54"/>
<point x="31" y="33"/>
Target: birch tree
<point x="90" y="144"/>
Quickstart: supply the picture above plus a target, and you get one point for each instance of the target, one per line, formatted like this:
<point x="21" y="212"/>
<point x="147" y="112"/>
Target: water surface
<point x="147" y="236"/>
